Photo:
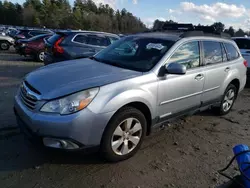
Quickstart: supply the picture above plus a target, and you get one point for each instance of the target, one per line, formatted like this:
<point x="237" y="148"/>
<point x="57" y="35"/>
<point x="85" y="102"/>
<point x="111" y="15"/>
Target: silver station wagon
<point x="115" y="98"/>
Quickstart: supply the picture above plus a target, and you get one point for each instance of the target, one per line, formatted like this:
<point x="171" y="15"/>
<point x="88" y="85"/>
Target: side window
<point x="188" y="55"/>
<point x="232" y="53"/>
<point x="112" y="39"/>
<point x="81" y="39"/>
<point x="212" y="52"/>
<point x="97" y="40"/>
<point x="224" y="53"/>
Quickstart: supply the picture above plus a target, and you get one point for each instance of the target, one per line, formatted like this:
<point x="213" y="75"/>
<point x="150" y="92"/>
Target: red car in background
<point x="33" y="47"/>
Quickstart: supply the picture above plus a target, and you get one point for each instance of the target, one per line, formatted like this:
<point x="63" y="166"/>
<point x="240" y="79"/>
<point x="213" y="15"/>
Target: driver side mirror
<point x="173" y="68"/>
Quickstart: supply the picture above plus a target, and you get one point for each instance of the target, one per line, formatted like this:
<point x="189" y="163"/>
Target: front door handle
<point x="227" y="69"/>
<point x="199" y="77"/>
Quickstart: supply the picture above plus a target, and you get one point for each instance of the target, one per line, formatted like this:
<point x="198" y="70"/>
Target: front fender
<point x="134" y="95"/>
<point x="107" y="102"/>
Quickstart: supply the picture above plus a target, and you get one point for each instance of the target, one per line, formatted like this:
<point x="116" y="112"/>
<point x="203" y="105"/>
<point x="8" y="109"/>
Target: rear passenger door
<point x="216" y="70"/>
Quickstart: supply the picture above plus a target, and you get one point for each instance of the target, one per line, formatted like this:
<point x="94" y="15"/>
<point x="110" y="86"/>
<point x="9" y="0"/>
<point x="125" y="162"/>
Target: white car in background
<point x="244" y="46"/>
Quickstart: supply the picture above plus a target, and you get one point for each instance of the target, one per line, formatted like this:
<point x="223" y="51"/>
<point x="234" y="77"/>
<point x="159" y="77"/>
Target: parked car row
<point x="244" y="46"/>
<point x="51" y="47"/>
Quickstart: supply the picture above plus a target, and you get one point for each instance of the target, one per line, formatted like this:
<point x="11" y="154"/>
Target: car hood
<point x="67" y="77"/>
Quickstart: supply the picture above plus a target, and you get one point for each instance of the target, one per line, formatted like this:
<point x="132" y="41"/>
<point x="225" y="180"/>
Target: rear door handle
<point x="199" y="77"/>
<point x="227" y="69"/>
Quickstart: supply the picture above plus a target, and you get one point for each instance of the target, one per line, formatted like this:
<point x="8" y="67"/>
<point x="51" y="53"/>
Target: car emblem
<point x="27" y="93"/>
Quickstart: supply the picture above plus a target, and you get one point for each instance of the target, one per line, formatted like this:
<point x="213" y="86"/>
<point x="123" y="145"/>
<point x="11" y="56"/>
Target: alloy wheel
<point x="228" y="100"/>
<point x="126" y="136"/>
<point x="41" y="56"/>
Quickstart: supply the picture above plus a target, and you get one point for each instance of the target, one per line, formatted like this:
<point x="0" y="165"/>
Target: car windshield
<point x="135" y="52"/>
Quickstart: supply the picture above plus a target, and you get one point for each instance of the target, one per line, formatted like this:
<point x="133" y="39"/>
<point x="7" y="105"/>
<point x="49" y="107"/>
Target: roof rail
<point x="206" y="29"/>
<point x="178" y="27"/>
<point x="189" y="30"/>
<point x="201" y="33"/>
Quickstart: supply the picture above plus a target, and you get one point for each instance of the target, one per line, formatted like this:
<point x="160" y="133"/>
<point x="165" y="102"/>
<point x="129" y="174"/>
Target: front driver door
<point x="180" y="93"/>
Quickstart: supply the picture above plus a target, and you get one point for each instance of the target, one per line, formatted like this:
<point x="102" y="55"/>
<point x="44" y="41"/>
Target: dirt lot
<point x="187" y="153"/>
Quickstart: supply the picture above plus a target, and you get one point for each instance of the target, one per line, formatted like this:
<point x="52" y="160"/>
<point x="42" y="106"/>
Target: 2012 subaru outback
<point x="115" y="98"/>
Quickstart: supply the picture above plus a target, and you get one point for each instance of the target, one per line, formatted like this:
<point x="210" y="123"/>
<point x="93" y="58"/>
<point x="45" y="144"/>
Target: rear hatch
<point x="53" y="42"/>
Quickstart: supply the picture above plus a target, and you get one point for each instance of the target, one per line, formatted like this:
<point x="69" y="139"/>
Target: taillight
<point x="245" y="63"/>
<point x="57" y="47"/>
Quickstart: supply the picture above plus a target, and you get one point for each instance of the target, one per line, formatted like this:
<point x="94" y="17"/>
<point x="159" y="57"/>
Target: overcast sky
<point x="230" y="12"/>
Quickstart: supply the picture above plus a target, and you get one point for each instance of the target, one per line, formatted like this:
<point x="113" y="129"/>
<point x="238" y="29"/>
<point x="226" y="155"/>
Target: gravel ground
<point x="187" y="153"/>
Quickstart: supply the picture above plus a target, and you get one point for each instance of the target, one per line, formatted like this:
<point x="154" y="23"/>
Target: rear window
<point x="232" y="52"/>
<point x="54" y="38"/>
<point x="243" y="43"/>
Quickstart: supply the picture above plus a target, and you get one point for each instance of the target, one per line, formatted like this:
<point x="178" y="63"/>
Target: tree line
<point x="219" y="27"/>
<point x="59" y="14"/>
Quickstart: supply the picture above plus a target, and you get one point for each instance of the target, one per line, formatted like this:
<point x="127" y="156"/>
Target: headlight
<point x="72" y="103"/>
<point x="23" y="45"/>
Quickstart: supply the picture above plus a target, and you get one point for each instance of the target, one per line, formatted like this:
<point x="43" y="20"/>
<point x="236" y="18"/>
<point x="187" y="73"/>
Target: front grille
<point x="28" y="97"/>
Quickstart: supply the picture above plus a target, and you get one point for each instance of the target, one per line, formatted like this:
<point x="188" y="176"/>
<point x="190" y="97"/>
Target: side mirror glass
<point x="175" y="68"/>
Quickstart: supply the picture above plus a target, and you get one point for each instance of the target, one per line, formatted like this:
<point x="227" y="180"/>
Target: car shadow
<point x="18" y="154"/>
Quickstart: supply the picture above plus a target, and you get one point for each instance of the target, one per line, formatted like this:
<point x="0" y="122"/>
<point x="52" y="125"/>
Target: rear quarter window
<point x="232" y="52"/>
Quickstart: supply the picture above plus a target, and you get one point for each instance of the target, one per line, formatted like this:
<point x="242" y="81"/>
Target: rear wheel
<point x="228" y="100"/>
<point x="40" y="56"/>
<point x="124" y="134"/>
<point x="4" y="45"/>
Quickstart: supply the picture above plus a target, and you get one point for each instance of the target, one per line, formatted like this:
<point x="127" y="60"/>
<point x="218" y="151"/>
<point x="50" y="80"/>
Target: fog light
<point x="59" y="143"/>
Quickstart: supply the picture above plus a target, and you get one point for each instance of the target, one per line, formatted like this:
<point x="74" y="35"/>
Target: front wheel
<point x="124" y="134"/>
<point x="228" y="100"/>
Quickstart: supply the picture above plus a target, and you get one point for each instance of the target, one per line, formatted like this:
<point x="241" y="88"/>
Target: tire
<point x="225" y="105"/>
<point x="4" y="45"/>
<point x="40" y="56"/>
<point x="118" y="122"/>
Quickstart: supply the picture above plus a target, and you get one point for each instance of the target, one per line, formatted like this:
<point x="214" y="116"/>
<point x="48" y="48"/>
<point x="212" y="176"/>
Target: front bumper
<point x="83" y="128"/>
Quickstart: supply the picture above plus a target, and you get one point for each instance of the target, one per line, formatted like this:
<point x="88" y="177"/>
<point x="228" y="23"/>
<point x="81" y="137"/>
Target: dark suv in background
<point x="76" y="44"/>
<point x="28" y="33"/>
<point x="244" y="46"/>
